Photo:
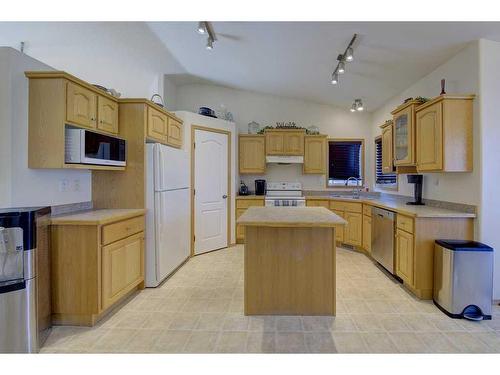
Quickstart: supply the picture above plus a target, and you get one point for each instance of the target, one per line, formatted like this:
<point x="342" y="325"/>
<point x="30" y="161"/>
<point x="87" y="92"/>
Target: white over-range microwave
<point x="87" y="147"/>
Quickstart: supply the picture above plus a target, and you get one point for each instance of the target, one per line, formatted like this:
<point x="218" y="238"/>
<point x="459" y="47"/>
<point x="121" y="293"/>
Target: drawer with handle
<point x="346" y="206"/>
<point x="121" y="229"/>
<point x="405" y="223"/>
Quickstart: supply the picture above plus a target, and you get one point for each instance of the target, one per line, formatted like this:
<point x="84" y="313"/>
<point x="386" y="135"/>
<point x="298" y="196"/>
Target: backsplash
<point x="72" y="207"/>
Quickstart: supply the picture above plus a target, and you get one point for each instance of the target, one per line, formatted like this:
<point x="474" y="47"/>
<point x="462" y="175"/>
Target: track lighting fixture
<point x="357" y="106"/>
<point x="205" y="28"/>
<point x="202" y="28"/>
<point x="348" y="56"/>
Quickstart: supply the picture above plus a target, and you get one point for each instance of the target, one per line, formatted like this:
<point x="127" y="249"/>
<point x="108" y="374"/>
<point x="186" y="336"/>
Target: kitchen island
<point x="289" y="260"/>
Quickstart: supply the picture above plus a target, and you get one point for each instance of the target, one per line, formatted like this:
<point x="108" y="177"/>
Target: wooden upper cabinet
<point x="430" y="138"/>
<point x="387" y="155"/>
<point x="157" y="125"/>
<point x="275" y="143"/>
<point x="294" y="143"/>
<point x="314" y="154"/>
<point x="285" y="142"/>
<point x="252" y="155"/>
<point x="444" y="134"/>
<point x="107" y="115"/>
<point x="81" y="106"/>
<point x="174" y="132"/>
<point x="404" y="133"/>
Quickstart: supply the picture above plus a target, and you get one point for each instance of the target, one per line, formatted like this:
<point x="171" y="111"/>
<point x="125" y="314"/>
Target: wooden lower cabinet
<point x="339" y="232"/>
<point x="367" y="233"/>
<point x="318" y="203"/>
<point x="89" y="276"/>
<point x="404" y="256"/>
<point x="122" y="268"/>
<point x="353" y="230"/>
<point x="415" y="248"/>
<point x="241" y="206"/>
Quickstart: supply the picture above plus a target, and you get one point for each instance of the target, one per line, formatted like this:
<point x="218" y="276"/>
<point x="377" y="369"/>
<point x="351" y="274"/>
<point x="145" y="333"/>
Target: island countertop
<point x="303" y="217"/>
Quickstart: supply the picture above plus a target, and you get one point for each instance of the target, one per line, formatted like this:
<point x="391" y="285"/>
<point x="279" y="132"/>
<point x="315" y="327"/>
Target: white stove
<point x="284" y="194"/>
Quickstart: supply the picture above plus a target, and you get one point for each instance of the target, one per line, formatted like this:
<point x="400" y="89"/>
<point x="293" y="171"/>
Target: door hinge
<point x="194" y="191"/>
<point x="194" y="144"/>
<point x="194" y="238"/>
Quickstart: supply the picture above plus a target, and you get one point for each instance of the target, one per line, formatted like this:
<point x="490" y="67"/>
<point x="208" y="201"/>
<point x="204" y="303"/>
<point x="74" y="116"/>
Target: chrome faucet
<point x="357" y="190"/>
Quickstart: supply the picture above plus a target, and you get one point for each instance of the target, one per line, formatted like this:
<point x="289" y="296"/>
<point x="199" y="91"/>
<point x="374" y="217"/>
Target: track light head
<point x="349" y="55"/>
<point x="335" y="78"/>
<point x="210" y="44"/>
<point x="202" y="28"/>
<point x="341" y="68"/>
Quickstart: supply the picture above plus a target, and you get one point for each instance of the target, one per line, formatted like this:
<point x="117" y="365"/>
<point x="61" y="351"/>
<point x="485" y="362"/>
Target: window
<point x="383" y="179"/>
<point x="345" y="159"/>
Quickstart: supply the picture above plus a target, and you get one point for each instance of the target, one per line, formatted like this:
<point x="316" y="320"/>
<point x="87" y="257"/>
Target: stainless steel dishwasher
<point x="383" y="237"/>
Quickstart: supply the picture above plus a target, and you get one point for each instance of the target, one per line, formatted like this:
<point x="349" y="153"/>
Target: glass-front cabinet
<point x="404" y="133"/>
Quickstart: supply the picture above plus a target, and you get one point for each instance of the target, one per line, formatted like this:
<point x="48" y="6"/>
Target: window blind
<point x="382" y="178"/>
<point x="344" y="160"/>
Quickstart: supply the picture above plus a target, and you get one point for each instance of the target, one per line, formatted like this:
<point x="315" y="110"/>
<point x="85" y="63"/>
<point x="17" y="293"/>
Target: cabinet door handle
<point x="224" y="196"/>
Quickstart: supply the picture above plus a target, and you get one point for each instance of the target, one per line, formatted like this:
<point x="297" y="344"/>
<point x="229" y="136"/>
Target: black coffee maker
<point x="418" y="180"/>
<point x="260" y="187"/>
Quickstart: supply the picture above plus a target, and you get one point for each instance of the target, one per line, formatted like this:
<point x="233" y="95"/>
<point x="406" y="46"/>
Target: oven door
<point x="102" y="149"/>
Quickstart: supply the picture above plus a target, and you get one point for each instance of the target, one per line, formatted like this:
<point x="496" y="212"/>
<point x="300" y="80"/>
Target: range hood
<point x="285" y="159"/>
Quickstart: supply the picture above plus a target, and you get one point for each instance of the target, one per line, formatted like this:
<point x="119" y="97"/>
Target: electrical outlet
<point x="63" y="185"/>
<point x="436" y="181"/>
<point x="76" y="185"/>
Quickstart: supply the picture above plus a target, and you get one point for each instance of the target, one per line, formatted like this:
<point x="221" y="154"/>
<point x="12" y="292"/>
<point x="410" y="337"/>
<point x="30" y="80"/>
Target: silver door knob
<point x="224" y="196"/>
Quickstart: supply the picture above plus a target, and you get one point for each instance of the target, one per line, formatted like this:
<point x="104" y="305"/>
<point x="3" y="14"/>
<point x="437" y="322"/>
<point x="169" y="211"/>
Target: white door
<point x="210" y="195"/>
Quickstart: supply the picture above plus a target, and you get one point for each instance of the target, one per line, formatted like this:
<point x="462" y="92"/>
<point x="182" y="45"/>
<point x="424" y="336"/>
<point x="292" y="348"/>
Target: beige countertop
<point x="399" y="205"/>
<point x="96" y="217"/>
<point x="290" y="217"/>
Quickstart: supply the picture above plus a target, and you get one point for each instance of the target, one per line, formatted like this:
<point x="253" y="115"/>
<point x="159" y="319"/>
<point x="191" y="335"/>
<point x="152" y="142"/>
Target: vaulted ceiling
<point x="296" y="59"/>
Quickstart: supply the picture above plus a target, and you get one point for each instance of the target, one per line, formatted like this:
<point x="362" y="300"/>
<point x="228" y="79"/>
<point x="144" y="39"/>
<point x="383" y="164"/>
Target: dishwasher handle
<point x="384" y="214"/>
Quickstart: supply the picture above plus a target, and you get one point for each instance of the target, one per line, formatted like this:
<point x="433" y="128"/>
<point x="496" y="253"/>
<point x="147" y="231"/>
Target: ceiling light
<point x="210" y="43"/>
<point x="341" y="68"/>
<point x="349" y="55"/>
<point x="335" y="78"/>
<point x="357" y="105"/>
<point x="202" y="28"/>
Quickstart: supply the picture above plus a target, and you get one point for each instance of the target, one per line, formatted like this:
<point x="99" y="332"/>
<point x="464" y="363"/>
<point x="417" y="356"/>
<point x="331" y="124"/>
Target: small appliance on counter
<point x="418" y="180"/>
<point x="260" y="187"/>
<point x="243" y="188"/>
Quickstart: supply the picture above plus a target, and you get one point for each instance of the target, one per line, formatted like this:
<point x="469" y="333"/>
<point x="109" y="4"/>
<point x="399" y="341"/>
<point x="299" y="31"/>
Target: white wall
<point x="489" y="99"/>
<point x="20" y="186"/>
<point x="191" y="119"/>
<point x="266" y="109"/>
<point x="461" y="76"/>
<point x="126" y="56"/>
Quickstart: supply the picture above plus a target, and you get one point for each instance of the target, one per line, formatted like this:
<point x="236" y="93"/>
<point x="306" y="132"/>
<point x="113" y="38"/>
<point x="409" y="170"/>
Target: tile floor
<point x="200" y="310"/>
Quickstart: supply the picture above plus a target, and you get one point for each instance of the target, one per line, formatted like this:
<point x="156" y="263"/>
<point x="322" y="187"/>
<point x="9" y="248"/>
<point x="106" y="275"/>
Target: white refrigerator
<point x="168" y="211"/>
